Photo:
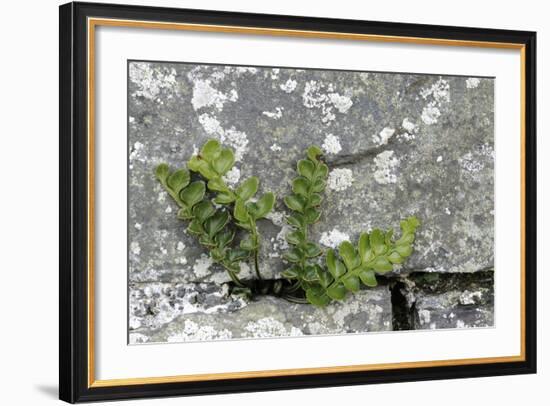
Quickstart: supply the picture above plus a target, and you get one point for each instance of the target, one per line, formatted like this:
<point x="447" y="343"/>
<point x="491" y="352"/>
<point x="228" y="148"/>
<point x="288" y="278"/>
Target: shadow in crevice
<point x="402" y="314"/>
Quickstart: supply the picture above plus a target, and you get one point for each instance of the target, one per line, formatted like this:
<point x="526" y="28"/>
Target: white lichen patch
<point x="408" y="125"/>
<point x="314" y="97"/>
<point x="135" y="248"/>
<point x="277" y="114"/>
<point x="469" y="298"/>
<point x="219" y="278"/>
<point x="210" y="124"/>
<point x="331" y="144"/>
<point x="487" y="150"/>
<point x="439" y="91"/>
<point x="202" y="265"/>
<point x="138" y="338"/>
<point x="470" y="163"/>
<point x="275" y="73"/>
<point x="340" y="179"/>
<point x="383" y="136"/>
<point x="279" y="242"/>
<point x="151" y="82"/>
<point x="472" y="83"/>
<point x="180" y="246"/>
<point x="410" y="130"/>
<point x="333" y="238"/>
<point x="269" y="327"/>
<point x="194" y="332"/>
<point x="289" y="86"/>
<point x="430" y="114"/>
<point x="204" y="95"/>
<point x="237" y="140"/>
<point x="245" y="270"/>
<point x="386" y="165"/>
<point x="202" y="72"/>
<point x="437" y="94"/>
<point x="233" y="138"/>
<point x="276" y="217"/>
<point x="246" y="69"/>
<point x="136" y="153"/>
<point x="232" y="177"/>
<point x="181" y="260"/>
<point x="158" y="303"/>
<point x="342" y="103"/>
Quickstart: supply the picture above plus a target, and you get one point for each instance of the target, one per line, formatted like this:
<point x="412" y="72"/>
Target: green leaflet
<point x="262" y="207"/>
<point x="213" y="225"/>
<point x="162" y="171"/>
<point x="193" y="193"/>
<point x="248" y="188"/>
<point x="211" y="150"/>
<point x="173" y="182"/>
<point x="203" y="210"/>
<point x="212" y="161"/>
<point x="224" y="162"/>
<point x="334" y="265"/>
<point x="178" y="180"/>
<point x="317" y="296"/>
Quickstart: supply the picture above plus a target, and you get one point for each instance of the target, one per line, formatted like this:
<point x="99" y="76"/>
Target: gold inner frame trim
<point x="94" y="22"/>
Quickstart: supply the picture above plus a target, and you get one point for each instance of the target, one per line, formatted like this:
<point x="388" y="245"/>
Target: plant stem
<point x="295" y="299"/>
<point x="234" y="277"/>
<point x="293" y="288"/>
<point x="256" y="265"/>
<point x="256" y="240"/>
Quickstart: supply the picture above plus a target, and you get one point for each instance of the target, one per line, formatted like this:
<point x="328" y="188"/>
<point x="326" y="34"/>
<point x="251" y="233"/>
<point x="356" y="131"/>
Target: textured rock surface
<point x="188" y="313"/>
<point x="450" y="301"/>
<point x="396" y="144"/>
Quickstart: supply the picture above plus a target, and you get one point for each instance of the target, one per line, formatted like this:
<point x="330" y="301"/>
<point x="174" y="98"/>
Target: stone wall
<point x="396" y="145"/>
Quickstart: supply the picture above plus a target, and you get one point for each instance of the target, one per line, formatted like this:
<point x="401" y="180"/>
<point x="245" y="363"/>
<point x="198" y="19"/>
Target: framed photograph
<point x="257" y="202"/>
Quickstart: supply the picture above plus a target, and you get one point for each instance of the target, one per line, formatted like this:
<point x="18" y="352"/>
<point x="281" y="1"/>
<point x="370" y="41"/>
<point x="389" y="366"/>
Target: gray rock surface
<point x="450" y="301"/>
<point x="175" y="313"/>
<point x="396" y="145"/>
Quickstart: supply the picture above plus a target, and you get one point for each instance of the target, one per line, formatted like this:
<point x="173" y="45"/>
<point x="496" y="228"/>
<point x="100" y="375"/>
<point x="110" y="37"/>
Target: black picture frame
<point x="74" y="385"/>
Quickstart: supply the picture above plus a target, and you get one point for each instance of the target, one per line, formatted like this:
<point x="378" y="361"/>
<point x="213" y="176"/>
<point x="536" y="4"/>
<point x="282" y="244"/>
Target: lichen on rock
<point x="396" y="145"/>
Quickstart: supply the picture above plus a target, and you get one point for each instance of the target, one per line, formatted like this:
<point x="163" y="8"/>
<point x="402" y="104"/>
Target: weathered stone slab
<point x="154" y="304"/>
<point x="450" y="301"/>
<point x="165" y="312"/>
<point x="397" y="144"/>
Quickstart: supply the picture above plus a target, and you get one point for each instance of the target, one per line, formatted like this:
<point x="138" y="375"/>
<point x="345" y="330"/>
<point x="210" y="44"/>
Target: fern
<point x="214" y="211"/>
<point x="376" y="252"/>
